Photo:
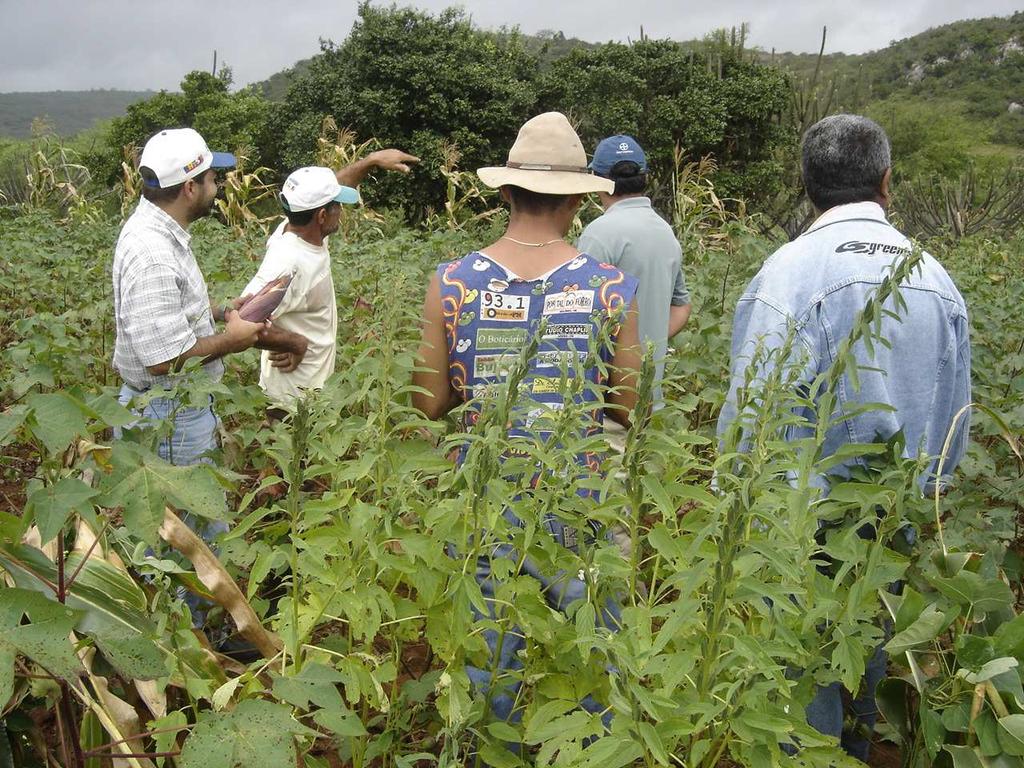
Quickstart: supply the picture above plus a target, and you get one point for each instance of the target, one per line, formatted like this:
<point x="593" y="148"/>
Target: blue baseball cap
<point x="614" y="150"/>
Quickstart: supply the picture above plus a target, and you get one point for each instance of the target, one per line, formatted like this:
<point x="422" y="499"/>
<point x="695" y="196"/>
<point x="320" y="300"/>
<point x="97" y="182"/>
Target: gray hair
<point x="845" y="158"/>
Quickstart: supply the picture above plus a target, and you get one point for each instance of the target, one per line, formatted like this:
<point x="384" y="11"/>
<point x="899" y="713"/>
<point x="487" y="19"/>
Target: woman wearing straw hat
<point x="480" y="312"/>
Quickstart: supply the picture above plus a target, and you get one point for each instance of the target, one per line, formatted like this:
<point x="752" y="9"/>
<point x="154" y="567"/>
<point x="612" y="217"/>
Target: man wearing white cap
<point x="300" y="345"/>
<point x="162" y="310"/>
<point x="306" y="322"/>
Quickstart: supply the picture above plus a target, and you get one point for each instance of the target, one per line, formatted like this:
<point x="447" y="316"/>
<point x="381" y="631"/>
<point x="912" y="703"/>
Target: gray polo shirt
<point x="633" y="237"/>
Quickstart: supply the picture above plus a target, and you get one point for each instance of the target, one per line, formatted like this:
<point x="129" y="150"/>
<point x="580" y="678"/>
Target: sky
<point x="140" y="44"/>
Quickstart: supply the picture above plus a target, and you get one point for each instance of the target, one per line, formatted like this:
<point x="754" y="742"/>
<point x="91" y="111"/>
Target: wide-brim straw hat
<point x="548" y="157"/>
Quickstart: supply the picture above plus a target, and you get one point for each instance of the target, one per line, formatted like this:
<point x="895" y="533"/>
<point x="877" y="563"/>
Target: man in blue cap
<point x="633" y="237"/>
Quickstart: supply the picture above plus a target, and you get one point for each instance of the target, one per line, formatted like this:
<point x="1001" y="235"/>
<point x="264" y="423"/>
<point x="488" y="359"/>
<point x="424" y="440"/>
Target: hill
<point x="70" y="111"/>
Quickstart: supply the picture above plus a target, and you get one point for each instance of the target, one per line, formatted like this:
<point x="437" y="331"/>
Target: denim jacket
<point x="817" y="284"/>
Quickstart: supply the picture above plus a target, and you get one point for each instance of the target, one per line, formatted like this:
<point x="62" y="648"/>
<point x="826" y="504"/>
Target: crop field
<point x="349" y="563"/>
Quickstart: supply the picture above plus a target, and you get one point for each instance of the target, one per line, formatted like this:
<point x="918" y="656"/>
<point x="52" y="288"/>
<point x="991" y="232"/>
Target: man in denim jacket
<point x="816" y="285"/>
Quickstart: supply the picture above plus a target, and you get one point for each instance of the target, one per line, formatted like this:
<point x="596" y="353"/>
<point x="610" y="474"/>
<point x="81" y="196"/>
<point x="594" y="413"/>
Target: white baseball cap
<point x="179" y="154"/>
<point x="312" y="187"/>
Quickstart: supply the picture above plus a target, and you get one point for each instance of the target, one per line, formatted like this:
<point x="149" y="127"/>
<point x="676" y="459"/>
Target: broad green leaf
<point x="255" y="733"/>
<point x="934" y="731"/>
<point x="848" y="658"/>
<point x="1009" y="638"/>
<point x="122" y="631"/>
<point x="987" y="729"/>
<point x="951" y="563"/>
<point x="974" y="651"/>
<point x="1011" y="734"/>
<point x="143" y="484"/>
<point x="965" y="757"/>
<point x="52" y="504"/>
<point x="892" y="697"/>
<point x="544" y="715"/>
<point x="653" y="742"/>
<point x="974" y="591"/>
<point x="316" y="683"/>
<point x="924" y="630"/>
<point x="223" y="694"/>
<point x="57" y="419"/>
<point x="342" y="722"/>
<point x="503" y="731"/>
<point x="45" y="639"/>
<point x="989" y="670"/>
<point x="10" y="420"/>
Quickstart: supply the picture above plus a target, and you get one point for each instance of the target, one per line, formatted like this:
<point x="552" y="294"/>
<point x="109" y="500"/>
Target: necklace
<point x="530" y="245"/>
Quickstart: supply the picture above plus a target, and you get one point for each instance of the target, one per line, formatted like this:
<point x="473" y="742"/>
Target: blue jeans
<point x="191" y="441"/>
<point x="560" y="591"/>
<point x="826" y="713"/>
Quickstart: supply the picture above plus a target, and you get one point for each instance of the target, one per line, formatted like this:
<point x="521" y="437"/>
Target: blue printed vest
<point x="490" y="314"/>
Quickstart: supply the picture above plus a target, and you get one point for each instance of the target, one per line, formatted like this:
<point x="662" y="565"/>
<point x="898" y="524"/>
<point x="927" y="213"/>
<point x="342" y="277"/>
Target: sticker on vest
<point x="567" y="331"/>
<point x="568" y="302"/>
<point x="504" y="308"/>
<point x="555" y="359"/>
<point x="542" y="417"/>
<point x="493" y="366"/>
<point x="500" y="338"/>
<point x="546" y="385"/>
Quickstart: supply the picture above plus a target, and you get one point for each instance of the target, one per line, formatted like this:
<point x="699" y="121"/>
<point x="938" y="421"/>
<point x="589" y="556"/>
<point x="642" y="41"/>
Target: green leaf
<point x="57" y="419"/>
<point x="922" y="631"/>
<point x="965" y="757"/>
<point x="254" y="733"/>
<point x="934" y="731"/>
<point x="974" y="651"/>
<point x="848" y="658"/>
<point x="11" y="420"/>
<point x="316" y="683"/>
<point x="950" y="563"/>
<point x="987" y="728"/>
<point x="45" y="639"/>
<point x="1009" y="638"/>
<point x="972" y="590"/>
<point x="143" y="484"/>
<point x="52" y="504"/>
<point x="989" y="670"/>
<point x="892" y="697"/>
<point x="1011" y="734"/>
<point x="653" y="742"/>
<point x="121" y="630"/>
<point x="544" y="715"/>
<point x="503" y="731"/>
<point x="342" y="723"/>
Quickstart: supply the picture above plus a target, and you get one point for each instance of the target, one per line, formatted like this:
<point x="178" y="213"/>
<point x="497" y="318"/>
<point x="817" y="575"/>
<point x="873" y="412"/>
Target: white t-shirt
<point x="309" y="308"/>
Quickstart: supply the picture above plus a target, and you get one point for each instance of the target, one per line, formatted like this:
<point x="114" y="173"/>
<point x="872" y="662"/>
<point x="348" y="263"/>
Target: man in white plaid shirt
<point x="162" y="310"/>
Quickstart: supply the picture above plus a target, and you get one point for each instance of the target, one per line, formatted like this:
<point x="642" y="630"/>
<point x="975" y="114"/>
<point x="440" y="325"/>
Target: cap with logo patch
<point x="179" y="154"/>
<point x="313" y="187"/>
<point x="614" y="150"/>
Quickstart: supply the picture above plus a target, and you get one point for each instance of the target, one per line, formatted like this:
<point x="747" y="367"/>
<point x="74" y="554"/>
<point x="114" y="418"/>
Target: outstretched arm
<point x="384" y="159"/>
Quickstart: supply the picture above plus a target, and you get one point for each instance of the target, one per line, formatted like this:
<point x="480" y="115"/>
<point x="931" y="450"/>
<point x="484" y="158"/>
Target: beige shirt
<point x="309" y="308"/>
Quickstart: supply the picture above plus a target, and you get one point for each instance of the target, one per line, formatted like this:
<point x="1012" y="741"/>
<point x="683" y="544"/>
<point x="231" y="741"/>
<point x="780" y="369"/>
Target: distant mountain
<point x="977" y="61"/>
<point x="69" y="111"/>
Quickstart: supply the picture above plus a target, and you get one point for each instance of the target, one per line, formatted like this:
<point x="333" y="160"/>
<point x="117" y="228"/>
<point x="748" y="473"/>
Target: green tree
<point x="709" y="101"/>
<point x="415" y="81"/>
<point x="228" y="121"/>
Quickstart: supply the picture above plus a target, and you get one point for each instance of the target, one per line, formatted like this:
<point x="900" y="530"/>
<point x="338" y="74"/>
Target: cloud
<point x="67" y="45"/>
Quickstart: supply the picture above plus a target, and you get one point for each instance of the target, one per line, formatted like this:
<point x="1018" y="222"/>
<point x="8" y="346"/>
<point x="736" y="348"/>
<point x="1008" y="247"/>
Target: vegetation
<point x="356" y="587"/>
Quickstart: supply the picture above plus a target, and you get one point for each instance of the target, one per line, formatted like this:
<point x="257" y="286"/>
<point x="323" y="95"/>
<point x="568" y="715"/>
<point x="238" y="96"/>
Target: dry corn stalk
<point x="216" y="579"/>
<point x="122" y="716"/>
